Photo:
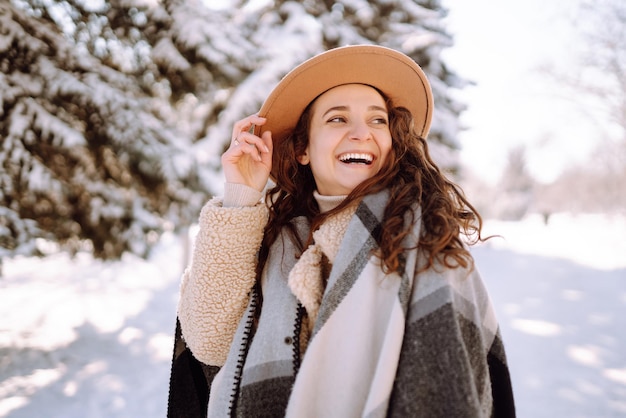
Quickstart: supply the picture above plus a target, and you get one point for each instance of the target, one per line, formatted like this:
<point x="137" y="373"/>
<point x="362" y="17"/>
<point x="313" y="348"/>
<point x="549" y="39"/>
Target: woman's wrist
<point x="238" y="195"/>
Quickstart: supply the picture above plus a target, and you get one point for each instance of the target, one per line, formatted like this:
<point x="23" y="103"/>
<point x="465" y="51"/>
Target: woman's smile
<point x="356" y="158"/>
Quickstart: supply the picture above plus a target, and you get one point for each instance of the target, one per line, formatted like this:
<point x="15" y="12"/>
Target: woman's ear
<point x="303" y="159"/>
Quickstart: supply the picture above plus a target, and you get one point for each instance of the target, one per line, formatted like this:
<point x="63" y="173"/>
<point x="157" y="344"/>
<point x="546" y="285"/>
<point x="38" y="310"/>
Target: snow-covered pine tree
<point x="134" y="102"/>
<point x="89" y="151"/>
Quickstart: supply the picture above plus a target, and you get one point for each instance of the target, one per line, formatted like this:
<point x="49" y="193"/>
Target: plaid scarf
<point x="393" y="345"/>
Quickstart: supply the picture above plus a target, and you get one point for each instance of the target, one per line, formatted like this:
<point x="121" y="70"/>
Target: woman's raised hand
<point x="248" y="160"/>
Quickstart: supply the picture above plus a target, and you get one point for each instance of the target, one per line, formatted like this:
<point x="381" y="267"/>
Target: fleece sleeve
<point x="215" y="286"/>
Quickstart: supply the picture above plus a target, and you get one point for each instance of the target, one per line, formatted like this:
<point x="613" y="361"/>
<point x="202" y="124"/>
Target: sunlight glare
<point x="616" y="375"/>
<point x="536" y="327"/>
<point x="587" y="355"/>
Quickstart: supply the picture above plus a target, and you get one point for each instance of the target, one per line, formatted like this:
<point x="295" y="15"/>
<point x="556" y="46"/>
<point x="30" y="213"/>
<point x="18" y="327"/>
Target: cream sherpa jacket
<point x="215" y="286"/>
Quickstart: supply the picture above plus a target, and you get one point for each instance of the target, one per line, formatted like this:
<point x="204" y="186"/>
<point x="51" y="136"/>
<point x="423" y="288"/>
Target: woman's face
<point x="349" y="138"/>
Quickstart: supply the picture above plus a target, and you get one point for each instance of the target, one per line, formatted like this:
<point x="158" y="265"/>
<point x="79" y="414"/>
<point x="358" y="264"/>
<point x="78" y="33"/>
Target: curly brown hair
<point x="411" y="177"/>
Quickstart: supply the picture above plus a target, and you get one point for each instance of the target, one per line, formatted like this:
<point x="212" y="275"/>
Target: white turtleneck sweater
<point x="238" y="195"/>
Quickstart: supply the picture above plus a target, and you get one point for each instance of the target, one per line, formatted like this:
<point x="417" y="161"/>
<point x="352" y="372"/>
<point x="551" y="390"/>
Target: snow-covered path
<point x="85" y="338"/>
<point x="564" y="328"/>
<point x="82" y="338"/>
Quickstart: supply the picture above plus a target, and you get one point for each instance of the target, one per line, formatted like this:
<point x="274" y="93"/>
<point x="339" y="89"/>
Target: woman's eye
<point x="380" y="121"/>
<point x="337" y="119"/>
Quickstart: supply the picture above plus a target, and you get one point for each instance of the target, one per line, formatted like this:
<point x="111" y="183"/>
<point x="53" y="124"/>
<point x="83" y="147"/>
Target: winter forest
<point x="113" y="117"/>
<point x="115" y="113"/>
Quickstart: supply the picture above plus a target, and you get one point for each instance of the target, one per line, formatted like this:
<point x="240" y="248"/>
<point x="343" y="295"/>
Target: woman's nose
<point x="360" y="131"/>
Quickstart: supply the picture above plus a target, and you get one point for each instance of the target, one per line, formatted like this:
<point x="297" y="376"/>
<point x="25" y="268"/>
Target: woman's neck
<point x="327" y="203"/>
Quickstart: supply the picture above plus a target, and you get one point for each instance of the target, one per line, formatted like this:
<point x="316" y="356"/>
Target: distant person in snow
<point x="342" y="287"/>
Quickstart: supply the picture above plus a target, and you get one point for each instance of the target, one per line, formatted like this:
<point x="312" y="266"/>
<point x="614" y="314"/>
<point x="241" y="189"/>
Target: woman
<point x="347" y="291"/>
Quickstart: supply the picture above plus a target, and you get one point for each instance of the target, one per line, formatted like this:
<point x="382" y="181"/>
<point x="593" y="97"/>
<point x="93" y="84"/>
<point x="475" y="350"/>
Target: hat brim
<point x="390" y="71"/>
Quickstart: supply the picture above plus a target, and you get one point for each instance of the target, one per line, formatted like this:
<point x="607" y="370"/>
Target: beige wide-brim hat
<point x="390" y="71"/>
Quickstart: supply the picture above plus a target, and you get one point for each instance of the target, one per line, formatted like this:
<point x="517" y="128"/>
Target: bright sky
<point x="500" y="46"/>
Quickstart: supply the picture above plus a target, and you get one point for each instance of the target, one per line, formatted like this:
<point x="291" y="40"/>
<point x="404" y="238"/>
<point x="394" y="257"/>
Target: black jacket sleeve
<point x="190" y="382"/>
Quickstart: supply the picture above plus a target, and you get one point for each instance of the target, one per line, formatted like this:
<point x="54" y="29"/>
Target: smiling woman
<point x="348" y="290"/>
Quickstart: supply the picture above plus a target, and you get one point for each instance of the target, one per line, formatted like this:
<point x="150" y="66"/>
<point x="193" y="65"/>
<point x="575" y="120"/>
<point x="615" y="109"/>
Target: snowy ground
<point x="82" y="338"/>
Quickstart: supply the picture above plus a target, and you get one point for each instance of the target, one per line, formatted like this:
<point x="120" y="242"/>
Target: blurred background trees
<point x="597" y="85"/>
<point x="115" y="113"/>
<point x="591" y="82"/>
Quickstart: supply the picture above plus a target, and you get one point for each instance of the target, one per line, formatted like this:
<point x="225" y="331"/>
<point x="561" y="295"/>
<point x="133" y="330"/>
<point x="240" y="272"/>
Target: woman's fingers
<point x="246" y="125"/>
<point x="248" y="160"/>
<point x="267" y="146"/>
<point x="251" y="144"/>
<point x="243" y="134"/>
